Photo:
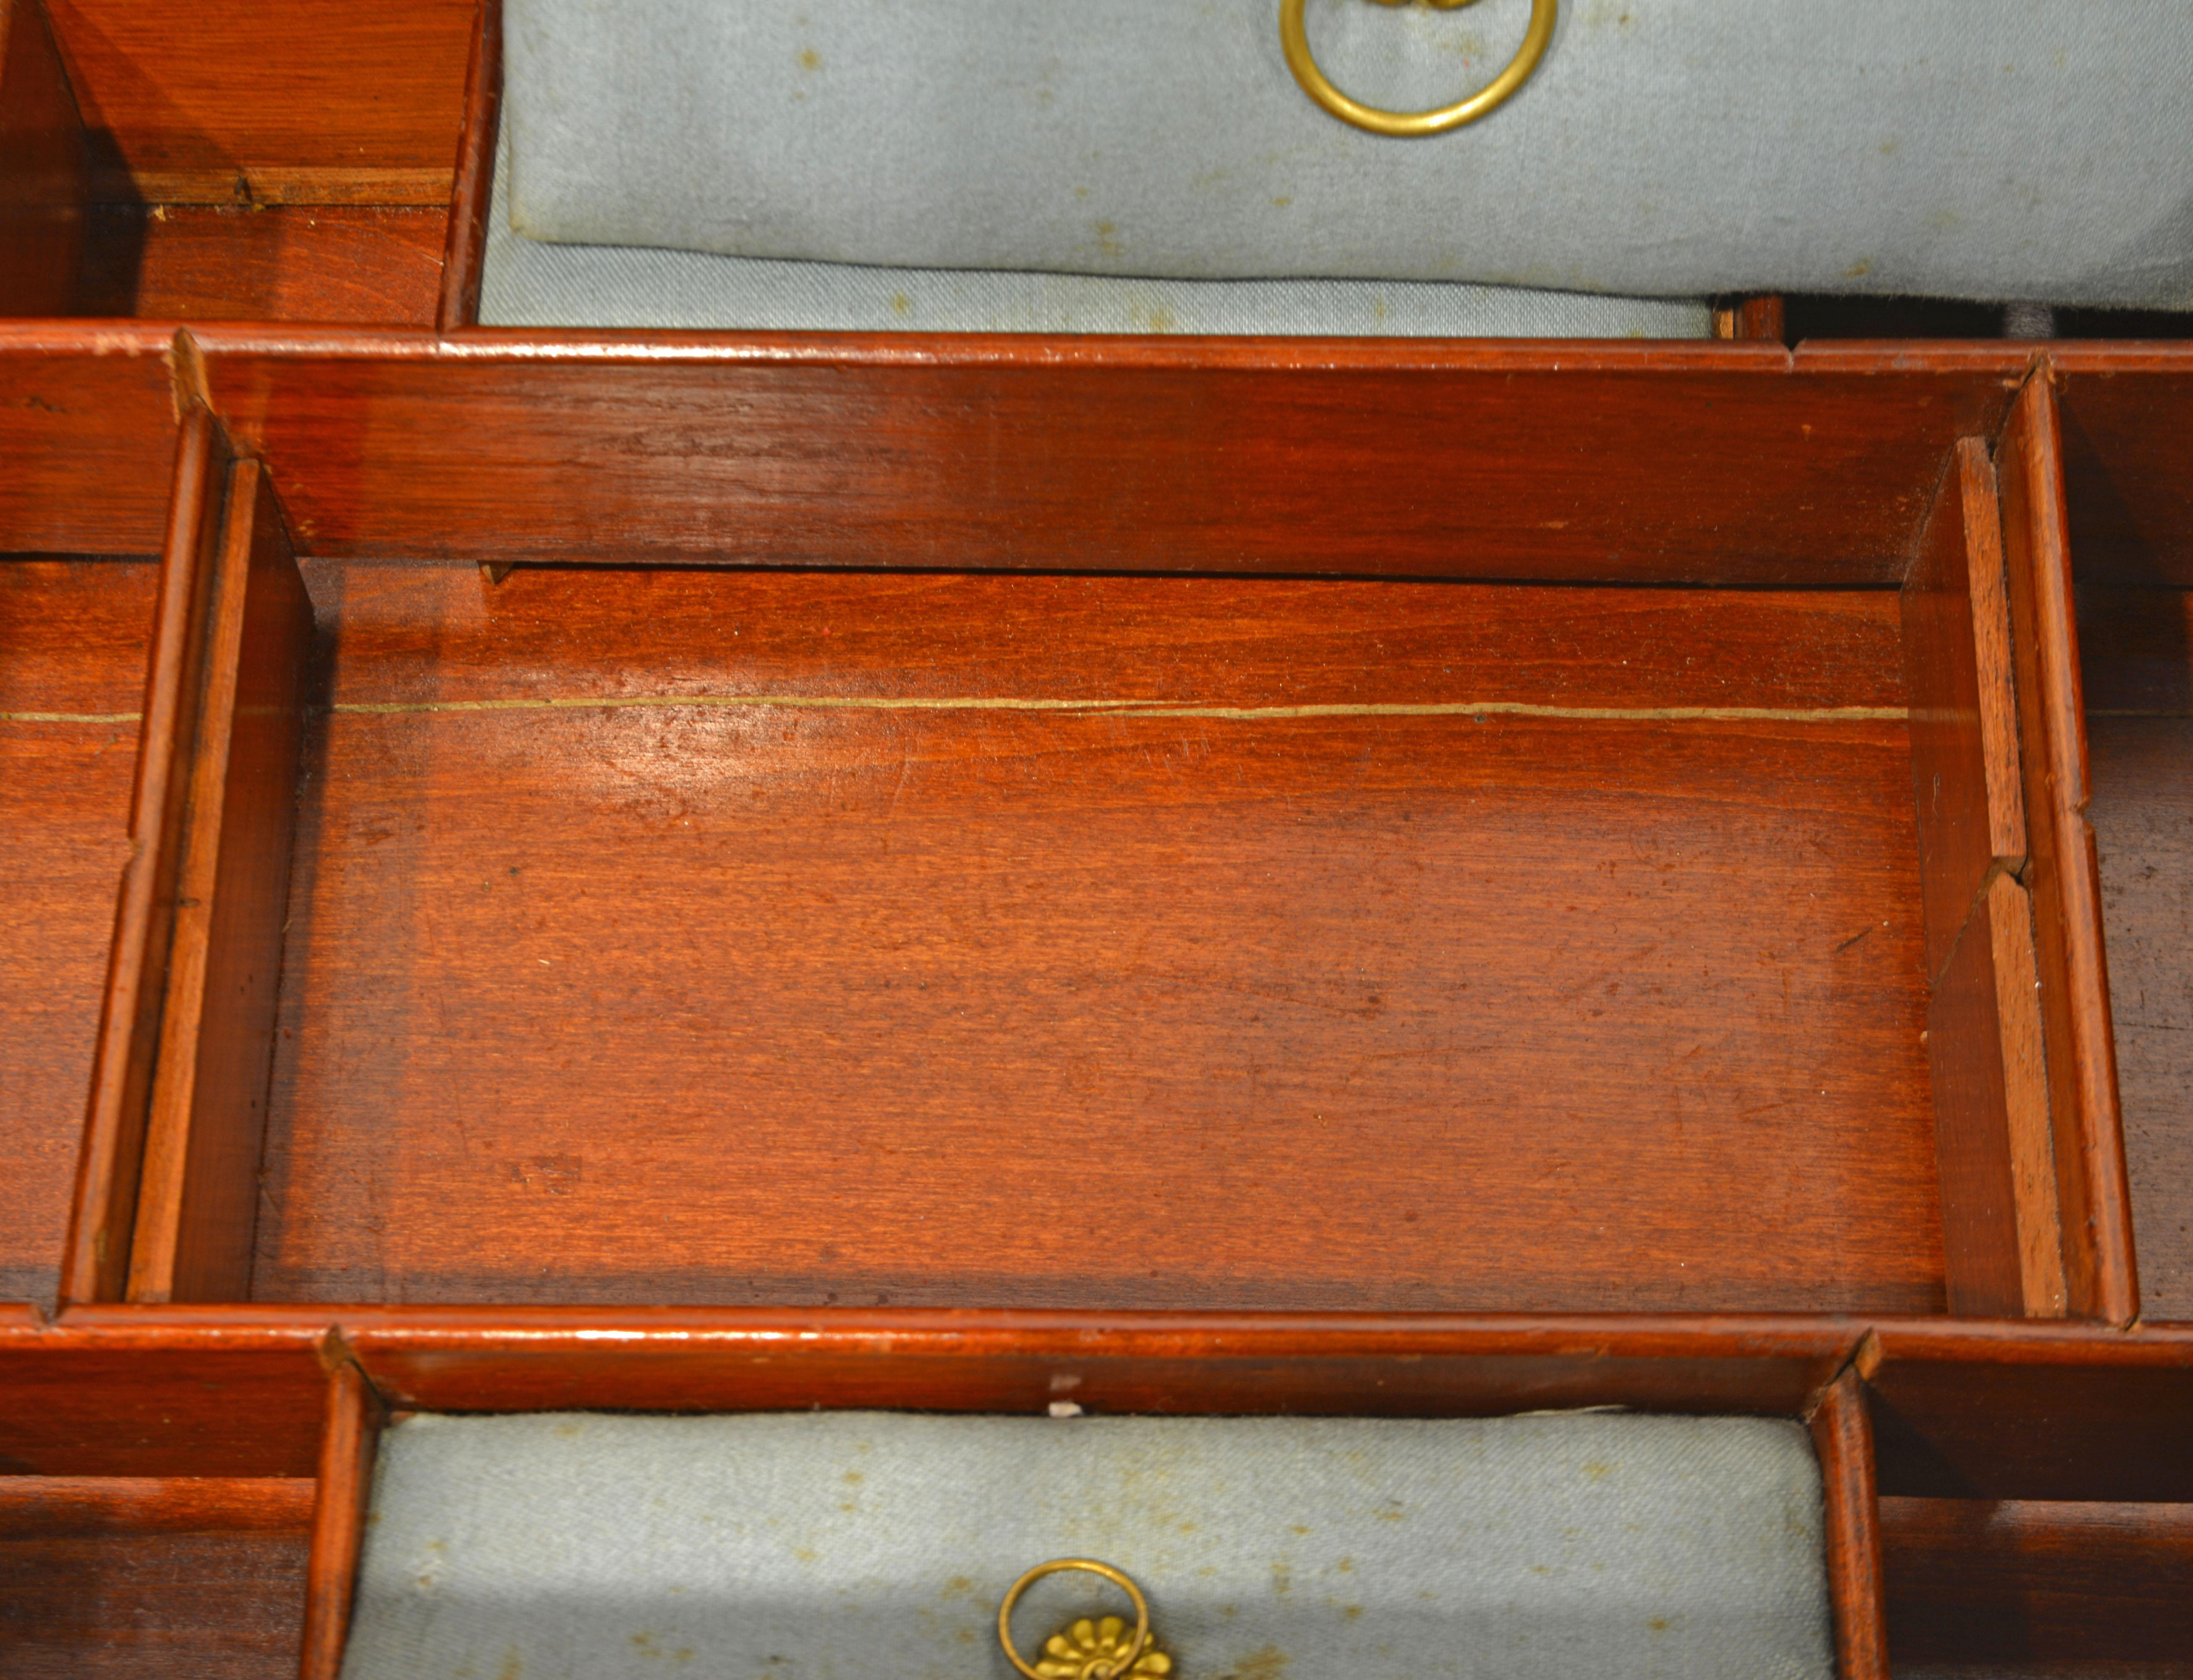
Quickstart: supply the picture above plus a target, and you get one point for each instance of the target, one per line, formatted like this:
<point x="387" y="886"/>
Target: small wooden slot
<point x="96" y="1265"/>
<point x="2100" y="1276"/>
<point x="200" y="1189"/>
<point x="347" y="1448"/>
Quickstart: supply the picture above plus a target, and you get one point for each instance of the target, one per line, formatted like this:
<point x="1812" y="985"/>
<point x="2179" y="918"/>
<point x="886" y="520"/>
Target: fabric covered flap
<point x="1997" y="148"/>
<point x="846" y="1546"/>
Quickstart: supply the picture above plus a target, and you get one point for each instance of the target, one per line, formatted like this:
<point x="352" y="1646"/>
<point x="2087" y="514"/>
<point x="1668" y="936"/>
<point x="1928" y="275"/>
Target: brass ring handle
<point x="1294" y="40"/>
<point x="1089" y="1565"/>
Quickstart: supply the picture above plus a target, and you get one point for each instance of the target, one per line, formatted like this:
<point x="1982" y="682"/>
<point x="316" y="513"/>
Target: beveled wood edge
<point x="349" y="1437"/>
<point x="2100" y="1262"/>
<point x="103" y="1208"/>
<point x="465" y="255"/>
<point x="1842" y="1437"/>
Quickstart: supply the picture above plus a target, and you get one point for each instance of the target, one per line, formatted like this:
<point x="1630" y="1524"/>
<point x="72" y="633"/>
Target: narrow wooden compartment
<point x="659" y="932"/>
<point x="231" y="162"/>
<point x="2127" y="430"/>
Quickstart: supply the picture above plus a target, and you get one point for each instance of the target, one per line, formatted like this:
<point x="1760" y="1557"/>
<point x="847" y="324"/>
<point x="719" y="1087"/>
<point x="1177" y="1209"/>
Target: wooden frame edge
<point x="348" y="1444"/>
<point x="464" y="256"/>
<point x="1842" y="1435"/>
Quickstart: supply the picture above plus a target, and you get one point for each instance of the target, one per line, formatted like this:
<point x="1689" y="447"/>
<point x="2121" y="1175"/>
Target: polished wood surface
<point x="2137" y="650"/>
<point x="471" y="197"/>
<point x="201" y="1576"/>
<point x="312" y="102"/>
<point x="72" y="636"/>
<point x="200" y="1183"/>
<point x="271" y="262"/>
<point x="2127" y="411"/>
<point x="2071" y="1588"/>
<point x="2099" y="1271"/>
<point x="1842" y="1434"/>
<point x="717" y="936"/>
<point x="1276" y="456"/>
<point x="350" y="1439"/>
<point x="97" y="1260"/>
<point x="42" y="169"/>
<point x="87" y="438"/>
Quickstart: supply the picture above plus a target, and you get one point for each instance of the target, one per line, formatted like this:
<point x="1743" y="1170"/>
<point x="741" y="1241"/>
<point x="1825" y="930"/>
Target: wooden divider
<point x="96" y="1264"/>
<point x="465" y="256"/>
<point x="348" y="1444"/>
<point x="2099" y="1271"/>
<point x="199" y="1198"/>
<point x="1842" y="1434"/>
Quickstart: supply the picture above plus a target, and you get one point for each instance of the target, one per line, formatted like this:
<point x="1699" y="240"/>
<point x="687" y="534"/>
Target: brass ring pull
<point x="1414" y="124"/>
<point x="1084" y="1651"/>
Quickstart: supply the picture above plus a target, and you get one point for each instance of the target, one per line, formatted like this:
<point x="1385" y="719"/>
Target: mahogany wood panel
<point x="2128" y="412"/>
<point x="1985" y="1584"/>
<point x="1842" y="1434"/>
<point x="2136" y="647"/>
<point x="123" y="1396"/>
<point x="2000" y="1236"/>
<point x="464" y="260"/>
<point x="42" y="169"/>
<point x="72" y="642"/>
<point x="347" y="1445"/>
<point x="202" y="1577"/>
<point x="200" y="1188"/>
<point x="811" y="937"/>
<point x="87" y="438"/>
<point x="1136" y="454"/>
<point x="271" y="262"/>
<point x="2099" y="1274"/>
<point x="227" y="101"/>
<point x="2032" y="1410"/>
<point x="96" y="1262"/>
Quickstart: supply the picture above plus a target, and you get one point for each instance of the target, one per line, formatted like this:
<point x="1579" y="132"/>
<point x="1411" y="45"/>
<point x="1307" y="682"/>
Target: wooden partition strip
<point x="96" y="1264"/>
<point x="2064" y="876"/>
<point x="43" y="180"/>
<point x="87" y="418"/>
<point x="200" y="1193"/>
<point x="1843" y="1434"/>
<point x="352" y="1436"/>
<point x="2001" y="1231"/>
<point x="465" y="254"/>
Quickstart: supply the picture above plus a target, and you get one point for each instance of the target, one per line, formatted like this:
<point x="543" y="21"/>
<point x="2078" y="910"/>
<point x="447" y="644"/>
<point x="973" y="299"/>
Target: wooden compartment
<point x="1370" y="932"/>
<point x="231" y="162"/>
<point x="2126" y="425"/>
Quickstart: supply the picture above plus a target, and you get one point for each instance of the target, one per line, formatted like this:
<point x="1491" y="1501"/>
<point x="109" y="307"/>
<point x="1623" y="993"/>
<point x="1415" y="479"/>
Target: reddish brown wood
<point x="352" y="1436"/>
<point x="97" y="1261"/>
<point x="2034" y="1410"/>
<point x="2136" y="647"/>
<point x="2100" y="1273"/>
<point x="136" y="1577"/>
<point x="126" y="1396"/>
<point x="227" y="101"/>
<point x="463" y="261"/>
<point x="200" y="1186"/>
<point x="42" y="169"/>
<point x="88" y="436"/>
<point x="1760" y="318"/>
<point x="73" y="636"/>
<point x="1230" y="455"/>
<point x="1842" y="1434"/>
<point x="1980" y="1583"/>
<point x="2127" y="412"/>
<point x="305" y="262"/>
<point x="1204" y="890"/>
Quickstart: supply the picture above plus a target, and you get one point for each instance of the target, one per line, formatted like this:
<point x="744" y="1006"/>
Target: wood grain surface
<point x="2100" y="1273"/>
<point x="340" y="1510"/>
<point x="264" y="262"/>
<point x="73" y="636"/>
<point x="1129" y="455"/>
<point x="226" y="101"/>
<point x="722" y="936"/>
<point x="130" y="1577"/>
<point x="2127" y="411"/>
<point x="199" y="1190"/>
<point x="472" y="199"/>
<point x="87" y="437"/>
<point x="1982" y="1586"/>
<point x="2137" y="649"/>
<point x="42" y="169"/>
<point x="1842" y="1435"/>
